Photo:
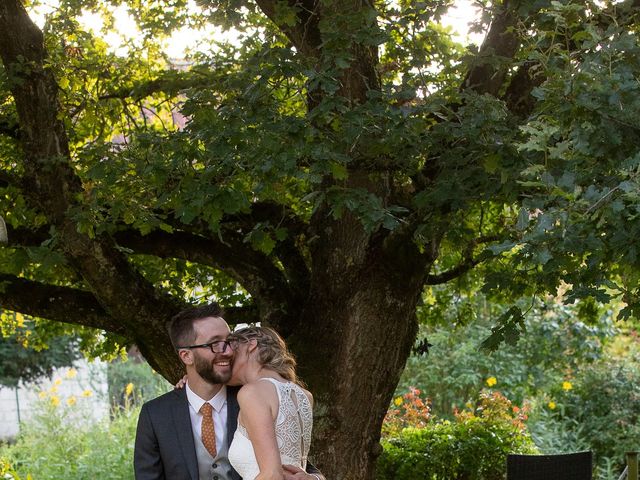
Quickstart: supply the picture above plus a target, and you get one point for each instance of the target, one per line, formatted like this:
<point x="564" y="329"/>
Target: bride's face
<point x="240" y="364"/>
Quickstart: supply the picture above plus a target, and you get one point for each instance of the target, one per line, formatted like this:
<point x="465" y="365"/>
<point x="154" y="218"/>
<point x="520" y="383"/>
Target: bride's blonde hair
<point x="272" y="350"/>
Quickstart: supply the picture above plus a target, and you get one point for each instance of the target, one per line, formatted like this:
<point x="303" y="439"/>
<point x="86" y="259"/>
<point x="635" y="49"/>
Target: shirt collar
<point x="217" y="402"/>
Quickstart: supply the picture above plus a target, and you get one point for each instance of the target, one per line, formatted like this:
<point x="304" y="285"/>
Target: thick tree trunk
<point x="364" y="345"/>
<point x="358" y="329"/>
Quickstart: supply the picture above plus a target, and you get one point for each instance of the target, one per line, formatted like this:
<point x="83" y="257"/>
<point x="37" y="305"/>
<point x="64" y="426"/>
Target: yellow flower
<point x="42" y="394"/>
<point x="53" y="389"/>
<point x="71" y="373"/>
<point x="491" y="381"/>
<point x="551" y="405"/>
<point x="128" y="389"/>
<point x="71" y="401"/>
<point x="87" y="393"/>
<point x="57" y="381"/>
<point x="567" y="386"/>
<point x="397" y="401"/>
<point x="5" y="468"/>
<point x="55" y="401"/>
<point x="19" y="320"/>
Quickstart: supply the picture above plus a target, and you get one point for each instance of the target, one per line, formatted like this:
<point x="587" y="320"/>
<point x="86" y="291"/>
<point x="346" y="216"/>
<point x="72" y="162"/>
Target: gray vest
<point x="210" y="468"/>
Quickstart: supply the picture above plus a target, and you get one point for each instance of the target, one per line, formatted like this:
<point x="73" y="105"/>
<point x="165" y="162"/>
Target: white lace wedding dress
<point x="293" y="432"/>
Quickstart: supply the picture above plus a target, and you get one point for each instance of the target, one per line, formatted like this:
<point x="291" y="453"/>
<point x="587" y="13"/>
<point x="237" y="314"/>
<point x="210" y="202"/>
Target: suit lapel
<point x="232" y="412"/>
<point x="182" y="423"/>
<point x="232" y="418"/>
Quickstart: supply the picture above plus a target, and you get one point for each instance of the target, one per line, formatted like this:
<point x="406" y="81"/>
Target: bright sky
<point x="458" y="19"/>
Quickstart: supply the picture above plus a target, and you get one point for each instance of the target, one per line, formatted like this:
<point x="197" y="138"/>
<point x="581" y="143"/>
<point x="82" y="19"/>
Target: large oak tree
<point x="317" y="174"/>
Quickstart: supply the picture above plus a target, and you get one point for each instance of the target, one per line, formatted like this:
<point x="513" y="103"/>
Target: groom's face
<point x="214" y="367"/>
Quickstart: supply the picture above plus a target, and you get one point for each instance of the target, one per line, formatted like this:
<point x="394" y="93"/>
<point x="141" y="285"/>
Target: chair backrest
<point x="565" y="466"/>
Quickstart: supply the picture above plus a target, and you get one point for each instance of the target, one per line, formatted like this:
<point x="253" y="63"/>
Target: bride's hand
<point x="181" y="383"/>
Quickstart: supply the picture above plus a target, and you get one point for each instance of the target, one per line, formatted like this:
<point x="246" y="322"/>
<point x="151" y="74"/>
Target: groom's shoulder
<point x="166" y="400"/>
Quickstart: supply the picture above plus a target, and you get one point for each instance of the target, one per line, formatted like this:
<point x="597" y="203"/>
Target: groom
<point x="169" y="444"/>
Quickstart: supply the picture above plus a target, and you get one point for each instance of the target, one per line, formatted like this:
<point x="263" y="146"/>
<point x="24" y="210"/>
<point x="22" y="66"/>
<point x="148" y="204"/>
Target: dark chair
<point x="565" y="466"/>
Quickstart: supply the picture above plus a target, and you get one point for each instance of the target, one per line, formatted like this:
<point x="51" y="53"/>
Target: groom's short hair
<point x="180" y="327"/>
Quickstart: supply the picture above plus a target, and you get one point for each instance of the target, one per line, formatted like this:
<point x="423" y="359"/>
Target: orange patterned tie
<point x="208" y="433"/>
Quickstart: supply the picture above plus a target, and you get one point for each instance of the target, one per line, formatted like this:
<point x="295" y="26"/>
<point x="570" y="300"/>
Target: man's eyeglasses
<point x="217" y="346"/>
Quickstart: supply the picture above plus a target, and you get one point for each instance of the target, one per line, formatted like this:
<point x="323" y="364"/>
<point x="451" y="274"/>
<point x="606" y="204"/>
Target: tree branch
<point x="60" y="304"/>
<point x="518" y="98"/>
<point x="497" y="50"/>
<point x="171" y="83"/>
<point x="295" y="268"/>
<point x="455" y="272"/>
<point x="252" y="269"/>
<point x="238" y="315"/>
<point x="529" y="75"/>
<point x="305" y="33"/>
<point x="623" y="14"/>
<point x="467" y="263"/>
<point x="276" y="214"/>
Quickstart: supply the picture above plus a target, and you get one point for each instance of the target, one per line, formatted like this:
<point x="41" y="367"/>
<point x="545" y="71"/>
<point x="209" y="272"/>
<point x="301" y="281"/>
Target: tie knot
<point x="206" y="409"/>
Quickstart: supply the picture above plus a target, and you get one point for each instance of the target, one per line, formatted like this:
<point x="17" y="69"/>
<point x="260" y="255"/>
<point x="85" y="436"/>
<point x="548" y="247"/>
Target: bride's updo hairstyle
<point x="272" y="350"/>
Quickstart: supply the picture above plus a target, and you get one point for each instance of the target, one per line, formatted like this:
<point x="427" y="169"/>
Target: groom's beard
<point x="207" y="370"/>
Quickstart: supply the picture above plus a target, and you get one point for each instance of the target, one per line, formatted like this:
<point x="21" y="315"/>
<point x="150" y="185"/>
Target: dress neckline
<point x="271" y="379"/>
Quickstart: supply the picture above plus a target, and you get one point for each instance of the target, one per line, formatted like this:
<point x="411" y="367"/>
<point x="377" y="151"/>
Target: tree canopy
<point x="318" y="174"/>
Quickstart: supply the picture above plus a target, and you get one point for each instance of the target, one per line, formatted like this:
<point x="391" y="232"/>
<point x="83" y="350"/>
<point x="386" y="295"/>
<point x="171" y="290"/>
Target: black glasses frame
<point x="214" y="346"/>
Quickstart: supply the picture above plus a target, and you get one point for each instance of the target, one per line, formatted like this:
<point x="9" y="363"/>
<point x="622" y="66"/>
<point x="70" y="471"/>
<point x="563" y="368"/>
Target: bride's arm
<point x="258" y="418"/>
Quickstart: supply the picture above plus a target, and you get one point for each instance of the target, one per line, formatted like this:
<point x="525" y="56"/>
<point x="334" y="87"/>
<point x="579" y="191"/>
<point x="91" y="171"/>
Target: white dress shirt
<point x="219" y="404"/>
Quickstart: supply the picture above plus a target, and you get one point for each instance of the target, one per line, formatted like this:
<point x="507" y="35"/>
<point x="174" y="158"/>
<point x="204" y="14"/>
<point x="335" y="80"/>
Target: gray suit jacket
<point x="164" y="448"/>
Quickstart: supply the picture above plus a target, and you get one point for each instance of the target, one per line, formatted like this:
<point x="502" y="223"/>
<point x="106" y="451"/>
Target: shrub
<point x="133" y="380"/>
<point x="456" y="369"/>
<point x="473" y="446"/>
<point x="60" y="443"/>
<point x="600" y="412"/>
<point x="408" y="410"/>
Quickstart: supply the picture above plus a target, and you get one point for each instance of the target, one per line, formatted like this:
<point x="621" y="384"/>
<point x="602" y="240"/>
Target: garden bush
<point x="556" y="344"/>
<point x="473" y="446"/>
<point x="600" y="412"/>
<point x="134" y="380"/>
<point x="58" y="442"/>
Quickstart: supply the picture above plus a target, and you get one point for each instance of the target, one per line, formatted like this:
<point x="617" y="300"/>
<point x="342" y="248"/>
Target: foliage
<point x="63" y="440"/>
<point x="25" y="358"/>
<point x="473" y="446"/>
<point x="161" y="149"/>
<point x="133" y="380"/>
<point x="559" y="340"/>
<point x="600" y="410"/>
<point x="407" y="410"/>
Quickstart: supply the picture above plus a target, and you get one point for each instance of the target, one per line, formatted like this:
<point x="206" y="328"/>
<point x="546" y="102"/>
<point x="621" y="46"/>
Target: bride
<point x="275" y="420"/>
